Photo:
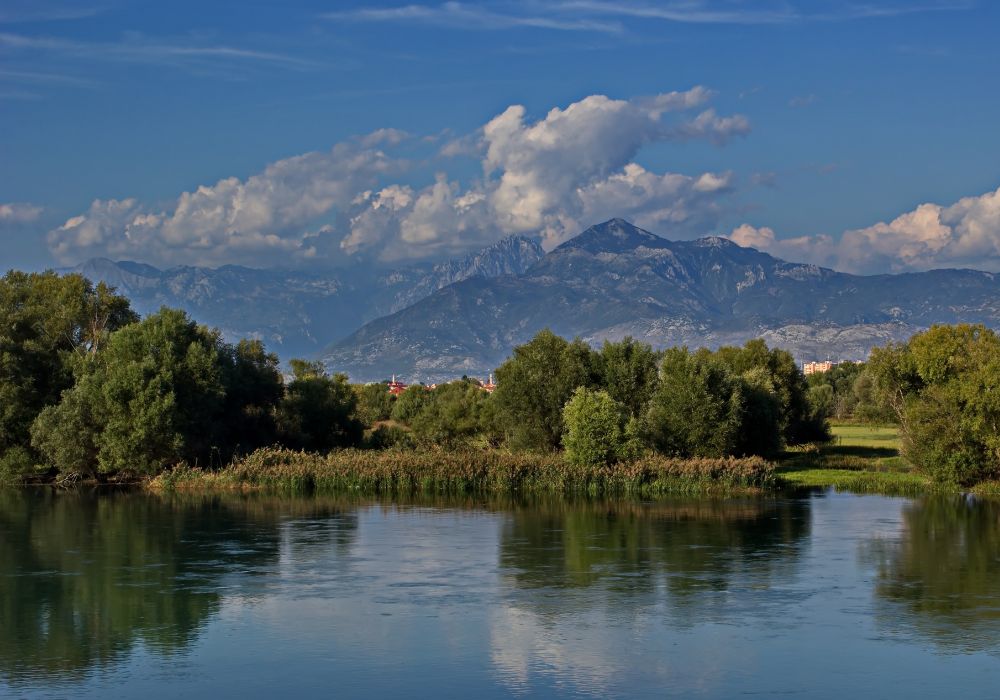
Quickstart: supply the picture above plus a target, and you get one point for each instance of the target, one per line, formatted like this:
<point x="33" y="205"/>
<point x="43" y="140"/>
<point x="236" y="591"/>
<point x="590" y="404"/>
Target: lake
<point x="824" y="595"/>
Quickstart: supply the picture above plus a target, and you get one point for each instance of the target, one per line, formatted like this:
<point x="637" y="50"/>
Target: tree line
<point x="89" y="388"/>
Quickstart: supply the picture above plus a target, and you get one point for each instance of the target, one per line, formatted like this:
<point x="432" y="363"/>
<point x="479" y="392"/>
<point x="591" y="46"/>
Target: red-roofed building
<point x="489" y="386"/>
<point x="396" y="388"/>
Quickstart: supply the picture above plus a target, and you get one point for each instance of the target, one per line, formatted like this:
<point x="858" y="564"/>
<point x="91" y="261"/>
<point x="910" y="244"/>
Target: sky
<point x="857" y="135"/>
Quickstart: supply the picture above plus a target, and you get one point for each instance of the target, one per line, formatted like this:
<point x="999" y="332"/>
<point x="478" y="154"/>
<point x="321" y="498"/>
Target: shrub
<point x="595" y="428"/>
<point x="16" y="464"/>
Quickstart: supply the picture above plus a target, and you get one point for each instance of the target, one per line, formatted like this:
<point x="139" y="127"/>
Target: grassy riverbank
<point x="860" y="458"/>
<point x="439" y="471"/>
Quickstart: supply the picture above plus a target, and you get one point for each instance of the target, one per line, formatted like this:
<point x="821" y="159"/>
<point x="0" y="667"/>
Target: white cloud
<point x="548" y="177"/>
<point x="965" y="234"/>
<point x="257" y="221"/>
<point x="19" y="213"/>
<point x="553" y="176"/>
<point x="659" y="202"/>
<point x="819" y="249"/>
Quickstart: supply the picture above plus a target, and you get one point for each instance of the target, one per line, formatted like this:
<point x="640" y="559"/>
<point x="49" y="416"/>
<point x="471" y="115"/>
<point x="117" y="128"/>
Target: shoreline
<point x="465" y="471"/>
<point x="859" y="459"/>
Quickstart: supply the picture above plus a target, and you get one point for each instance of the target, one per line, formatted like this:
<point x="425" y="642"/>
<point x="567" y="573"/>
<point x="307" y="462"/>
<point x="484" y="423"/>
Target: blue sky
<point x="858" y="135"/>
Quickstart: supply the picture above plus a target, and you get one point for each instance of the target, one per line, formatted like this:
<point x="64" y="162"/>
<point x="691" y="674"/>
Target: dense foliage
<point x="943" y="386"/>
<point x="534" y="385"/>
<point x="161" y="391"/>
<point x="375" y="403"/>
<point x="94" y="391"/>
<point x="45" y="320"/>
<point x="317" y="411"/>
<point x="598" y="429"/>
<point x="832" y="393"/>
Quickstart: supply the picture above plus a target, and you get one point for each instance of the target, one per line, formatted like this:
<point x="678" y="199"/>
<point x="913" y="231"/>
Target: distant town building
<point x="490" y="386"/>
<point x="814" y="367"/>
<point x="396" y="388"/>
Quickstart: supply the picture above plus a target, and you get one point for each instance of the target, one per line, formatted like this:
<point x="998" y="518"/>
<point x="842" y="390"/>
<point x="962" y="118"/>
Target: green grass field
<point x="863" y="436"/>
<point x="859" y="458"/>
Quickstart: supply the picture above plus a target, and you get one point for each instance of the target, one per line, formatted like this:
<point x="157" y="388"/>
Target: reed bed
<point x="885" y="483"/>
<point x="469" y="471"/>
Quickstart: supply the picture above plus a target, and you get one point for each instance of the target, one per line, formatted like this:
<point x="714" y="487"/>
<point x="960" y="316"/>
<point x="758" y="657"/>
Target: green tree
<point x="410" y="403"/>
<point x="45" y="320"/>
<point x="318" y="411"/>
<point x="943" y="386"/>
<point x="453" y="413"/>
<point x="152" y="397"/>
<point x="595" y="429"/>
<point x="796" y="421"/>
<point x="253" y="388"/>
<point x="822" y="401"/>
<point x="628" y="372"/>
<point x="375" y="403"/>
<point x="760" y="423"/>
<point x="841" y="379"/>
<point x="534" y="385"/>
<point x="697" y="409"/>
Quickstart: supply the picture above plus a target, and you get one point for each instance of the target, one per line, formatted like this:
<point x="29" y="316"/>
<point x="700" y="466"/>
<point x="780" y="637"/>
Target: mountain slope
<point x="299" y="312"/>
<point x="615" y="279"/>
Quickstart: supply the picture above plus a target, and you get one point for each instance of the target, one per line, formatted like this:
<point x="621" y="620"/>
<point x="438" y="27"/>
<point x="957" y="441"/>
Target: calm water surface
<point x="830" y="595"/>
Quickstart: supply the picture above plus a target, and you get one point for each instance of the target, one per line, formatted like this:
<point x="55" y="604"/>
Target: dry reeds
<point x="407" y="471"/>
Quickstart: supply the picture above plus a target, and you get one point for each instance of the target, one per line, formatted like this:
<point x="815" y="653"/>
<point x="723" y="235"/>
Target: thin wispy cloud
<point x="686" y="12"/>
<point x="19" y="95"/>
<point x="800" y="101"/>
<point x="455" y="14"/>
<point x="763" y="12"/>
<point x="36" y="78"/>
<point x="606" y="16"/>
<point x="15" y="12"/>
<point x="138" y="49"/>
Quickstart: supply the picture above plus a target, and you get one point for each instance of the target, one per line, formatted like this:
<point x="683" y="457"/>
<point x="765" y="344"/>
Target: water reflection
<point x="941" y="578"/>
<point x="251" y="596"/>
<point x="697" y="544"/>
<point x="85" y="577"/>
<point x="628" y="570"/>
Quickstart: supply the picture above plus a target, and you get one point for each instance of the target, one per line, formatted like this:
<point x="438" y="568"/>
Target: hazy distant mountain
<point x="299" y="312"/>
<point x="615" y="279"/>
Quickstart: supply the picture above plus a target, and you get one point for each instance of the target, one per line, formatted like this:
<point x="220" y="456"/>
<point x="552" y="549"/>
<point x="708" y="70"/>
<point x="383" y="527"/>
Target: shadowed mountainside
<point x="299" y="312"/>
<point x="615" y="279"/>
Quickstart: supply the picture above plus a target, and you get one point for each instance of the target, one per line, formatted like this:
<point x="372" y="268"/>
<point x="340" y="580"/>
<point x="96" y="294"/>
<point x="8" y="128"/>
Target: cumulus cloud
<point x="260" y="220"/>
<point x="14" y="213"/>
<point x="965" y="234"/>
<point x="655" y="201"/>
<point x="552" y="176"/>
<point x="547" y="177"/>
<point x="819" y="249"/>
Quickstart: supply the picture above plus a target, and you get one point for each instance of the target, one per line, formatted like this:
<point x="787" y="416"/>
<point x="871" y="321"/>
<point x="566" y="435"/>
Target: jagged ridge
<point x="615" y="279"/>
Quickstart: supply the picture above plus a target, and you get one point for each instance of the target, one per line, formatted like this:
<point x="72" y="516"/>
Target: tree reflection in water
<point x="85" y="577"/>
<point x="941" y="578"/>
<point x="691" y="547"/>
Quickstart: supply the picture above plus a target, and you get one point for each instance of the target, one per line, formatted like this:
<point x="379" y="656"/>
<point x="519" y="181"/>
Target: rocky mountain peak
<point x="613" y="236"/>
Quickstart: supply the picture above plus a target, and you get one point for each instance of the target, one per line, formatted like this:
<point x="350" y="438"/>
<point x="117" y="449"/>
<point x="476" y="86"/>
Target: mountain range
<point x="615" y="280"/>
<point x="428" y="322"/>
<point x="296" y="312"/>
